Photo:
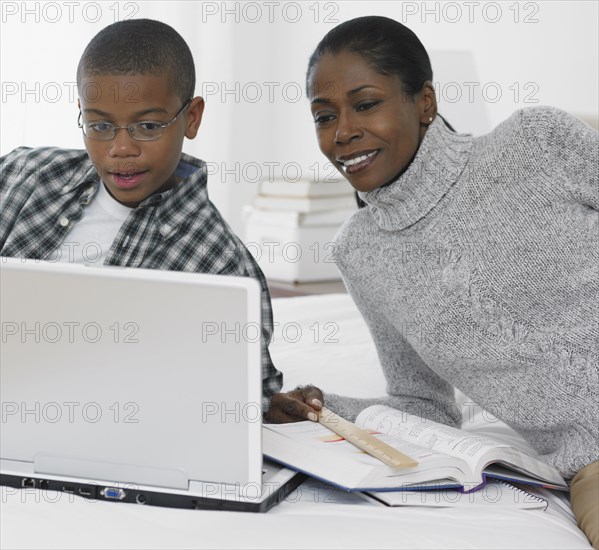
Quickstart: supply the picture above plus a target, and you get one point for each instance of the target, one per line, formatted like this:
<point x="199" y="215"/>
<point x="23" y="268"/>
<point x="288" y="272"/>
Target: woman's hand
<point x="302" y="403"/>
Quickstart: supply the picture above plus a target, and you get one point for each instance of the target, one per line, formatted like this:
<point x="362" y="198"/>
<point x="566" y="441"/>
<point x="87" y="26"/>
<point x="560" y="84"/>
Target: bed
<point x="320" y="340"/>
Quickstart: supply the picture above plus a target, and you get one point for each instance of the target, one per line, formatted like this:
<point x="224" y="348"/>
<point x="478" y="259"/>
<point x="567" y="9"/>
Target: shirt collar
<point x="173" y="206"/>
<point x="193" y="174"/>
<point x="441" y="158"/>
<point x="74" y="180"/>
<point x="182" y="203"/>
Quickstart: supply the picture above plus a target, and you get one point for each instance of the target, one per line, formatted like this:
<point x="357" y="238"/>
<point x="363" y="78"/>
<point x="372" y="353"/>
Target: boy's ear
<point x="194" y="117"/>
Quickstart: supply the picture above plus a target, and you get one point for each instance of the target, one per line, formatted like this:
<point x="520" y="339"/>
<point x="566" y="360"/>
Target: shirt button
<point x="165" y="229"/>
<point x="64" y="221"/>
<point x="65" y="188"/>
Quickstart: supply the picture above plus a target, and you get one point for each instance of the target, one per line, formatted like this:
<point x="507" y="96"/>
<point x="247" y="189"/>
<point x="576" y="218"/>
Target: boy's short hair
<point x="140" y="46"/>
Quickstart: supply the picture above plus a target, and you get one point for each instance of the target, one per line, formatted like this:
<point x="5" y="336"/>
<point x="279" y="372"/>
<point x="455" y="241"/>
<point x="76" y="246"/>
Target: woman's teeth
<point x="362" y="158"/>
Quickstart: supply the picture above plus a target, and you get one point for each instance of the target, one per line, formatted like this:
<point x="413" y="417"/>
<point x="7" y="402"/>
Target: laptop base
<point x="132" y="495"/>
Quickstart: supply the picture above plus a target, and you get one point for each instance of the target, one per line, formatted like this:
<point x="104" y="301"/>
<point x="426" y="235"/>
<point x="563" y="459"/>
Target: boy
<point x="134" y="199"/>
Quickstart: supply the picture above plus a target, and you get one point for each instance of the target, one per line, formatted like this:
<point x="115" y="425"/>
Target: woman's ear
<point x="428" y="103"/>
<point x="194" y="117"/>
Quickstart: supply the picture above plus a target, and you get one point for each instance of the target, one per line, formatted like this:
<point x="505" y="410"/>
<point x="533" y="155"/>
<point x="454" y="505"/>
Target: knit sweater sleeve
<point x="412" y="386"/>
<point x="567" y="150"/>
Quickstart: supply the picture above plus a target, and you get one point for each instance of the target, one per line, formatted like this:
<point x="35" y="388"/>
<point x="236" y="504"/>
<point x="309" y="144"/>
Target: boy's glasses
<point x="144" y="130"/>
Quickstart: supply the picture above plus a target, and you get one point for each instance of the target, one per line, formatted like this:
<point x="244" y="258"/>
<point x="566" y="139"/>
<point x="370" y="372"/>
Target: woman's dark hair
<point x="389" y="47"/>
<point x="140" y="46"/>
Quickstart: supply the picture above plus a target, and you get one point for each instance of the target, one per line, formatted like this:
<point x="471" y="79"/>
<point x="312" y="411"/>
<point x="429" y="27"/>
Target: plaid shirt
<point x="43" y="193"/>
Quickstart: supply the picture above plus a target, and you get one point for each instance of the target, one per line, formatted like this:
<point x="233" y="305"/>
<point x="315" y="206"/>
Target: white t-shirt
<point x="90" y="239"/>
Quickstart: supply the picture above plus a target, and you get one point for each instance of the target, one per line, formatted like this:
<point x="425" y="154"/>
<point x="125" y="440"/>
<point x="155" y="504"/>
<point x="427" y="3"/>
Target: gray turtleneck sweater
<point x="478" y="268"/>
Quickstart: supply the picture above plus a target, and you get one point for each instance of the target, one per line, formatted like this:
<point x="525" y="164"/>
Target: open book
<point x="447" y="457"/>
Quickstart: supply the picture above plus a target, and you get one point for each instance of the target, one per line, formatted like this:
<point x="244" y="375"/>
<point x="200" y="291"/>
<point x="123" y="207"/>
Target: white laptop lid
<point x="138" y="376"/>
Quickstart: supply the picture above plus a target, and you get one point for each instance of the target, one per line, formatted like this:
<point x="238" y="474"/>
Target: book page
<point x="319" y="452"/>
<point x="320" y="437"/>
<point x="426" y="433"/>
<point x="477" y="451"/>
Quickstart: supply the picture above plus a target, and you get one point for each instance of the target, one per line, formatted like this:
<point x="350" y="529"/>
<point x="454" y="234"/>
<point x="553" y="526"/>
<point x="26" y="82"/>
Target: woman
<point x="474" y="261"/>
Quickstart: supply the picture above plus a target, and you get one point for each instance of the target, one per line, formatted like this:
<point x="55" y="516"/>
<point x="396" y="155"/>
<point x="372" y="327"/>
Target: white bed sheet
<point x="320" y="340"/>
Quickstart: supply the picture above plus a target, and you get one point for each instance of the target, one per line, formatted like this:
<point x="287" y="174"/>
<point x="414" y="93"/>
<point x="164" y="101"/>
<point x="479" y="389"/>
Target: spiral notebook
<point x="495" y="493"/>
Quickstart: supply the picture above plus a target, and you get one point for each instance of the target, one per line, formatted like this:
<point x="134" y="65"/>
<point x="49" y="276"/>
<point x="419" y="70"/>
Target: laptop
<point x="134" y="385"/>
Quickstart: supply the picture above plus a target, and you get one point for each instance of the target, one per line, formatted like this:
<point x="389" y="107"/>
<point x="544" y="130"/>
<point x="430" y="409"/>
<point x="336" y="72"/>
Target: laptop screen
<point x="141" y="376"/>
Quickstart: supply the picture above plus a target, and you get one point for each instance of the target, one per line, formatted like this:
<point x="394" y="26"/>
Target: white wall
<point x="251" y="59"/>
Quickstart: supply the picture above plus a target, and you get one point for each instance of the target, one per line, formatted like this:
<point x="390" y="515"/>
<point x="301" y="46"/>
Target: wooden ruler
<point x="364" y="440"/>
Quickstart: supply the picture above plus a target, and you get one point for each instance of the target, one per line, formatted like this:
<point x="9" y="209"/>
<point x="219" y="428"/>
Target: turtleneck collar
<point x="441" y="158"/>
